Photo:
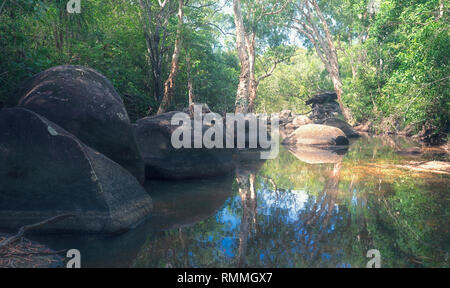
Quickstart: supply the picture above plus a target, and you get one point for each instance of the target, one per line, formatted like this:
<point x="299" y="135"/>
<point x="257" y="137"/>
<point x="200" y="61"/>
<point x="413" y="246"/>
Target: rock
<point x="162" y="160"/>
<point x="344" y="126"/>
<point x="317" y="135"/>
<point x="363" y="127"/>
<point x="286" y="130"/>
<point x="300" y="120"/>
<point x="325" y="110"/>
<point x="285" y="117"/>
<point x="322" y="98"/>
<point x="288" y="125"/>
<point x="46" y="171"/>
<point x="84" y="103"/>
<point x="285" y="114"/>
<point x="324" y="106"/>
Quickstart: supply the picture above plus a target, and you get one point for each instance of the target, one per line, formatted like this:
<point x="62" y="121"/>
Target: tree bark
<point x="323" y="44"/>
<point x="253" y="84"/>
<point x="242" y="94"/>
<point x="189" y="79"/>
<point x="155" y="31"/>
<point x="169" y="85"/>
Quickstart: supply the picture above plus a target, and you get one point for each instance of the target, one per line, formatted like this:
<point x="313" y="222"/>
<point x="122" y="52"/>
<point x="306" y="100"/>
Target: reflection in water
<point x="245" y="178"/>
<point x="290" y="213"/>
<point x="313" y="155"/>
<point x="176" y="205"/>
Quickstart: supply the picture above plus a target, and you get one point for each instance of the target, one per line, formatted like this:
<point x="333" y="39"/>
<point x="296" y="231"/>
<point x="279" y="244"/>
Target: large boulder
<point x="344" y="126"/>
<point x="317" y="135"/>
<point x="85" y="103"/>
<point x="46" y="171"/>
<point x="163" y="161"/>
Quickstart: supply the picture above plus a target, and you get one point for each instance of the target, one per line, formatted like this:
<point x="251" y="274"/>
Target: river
<point x="293" y="211"/>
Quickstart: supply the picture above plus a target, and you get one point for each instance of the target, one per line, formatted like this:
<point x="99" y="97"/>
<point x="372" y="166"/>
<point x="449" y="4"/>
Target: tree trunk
<point x="242" y="94"/>
<point x="169" y="85"/>
<point x="323" y="44"/>
<point x="253" y="83"/>
<point x="189" y="79"/>
<point x="337" y="84"/>
<point x="155" y="20"/>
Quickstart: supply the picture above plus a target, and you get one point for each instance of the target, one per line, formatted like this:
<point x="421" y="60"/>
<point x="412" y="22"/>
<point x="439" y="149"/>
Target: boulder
<point x="46" y="171"/>
<point x="84" y="103"/>
<point x="326" y="110"/>
<point x="300" y="120"/>
<point x="363" y="127"/>
<point x="322" y="98"/>
<point x="344" y="126"/>
<point x="163" y="161"/>
<point x="317" y="135"/>
<point x="285" y="114"/>
<point x="285" y="117"/>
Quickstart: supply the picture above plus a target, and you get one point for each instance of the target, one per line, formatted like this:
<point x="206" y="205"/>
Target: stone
<point x="322" y="98"/>
<point x="317" y="135"/>
<point x="46" y="171"/>
<point x="84" y="102"/>
<point x="163" y="161"/>
<point x="344" y="126"/>
<point x="300" y="120"/>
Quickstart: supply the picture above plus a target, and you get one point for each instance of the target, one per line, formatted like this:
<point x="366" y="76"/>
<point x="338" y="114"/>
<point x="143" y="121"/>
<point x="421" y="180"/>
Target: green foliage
<point x="393" y="59"/>
<point x="292" y="83"/>
<point x="404" y="76"/>
<point x="108" y="36"/>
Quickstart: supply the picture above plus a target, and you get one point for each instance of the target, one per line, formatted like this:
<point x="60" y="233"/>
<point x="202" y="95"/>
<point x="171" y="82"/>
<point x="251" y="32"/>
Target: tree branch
<point x="27" y="228"/>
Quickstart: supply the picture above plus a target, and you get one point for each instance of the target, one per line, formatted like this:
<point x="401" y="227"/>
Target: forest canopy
<point x="386" y="59"/>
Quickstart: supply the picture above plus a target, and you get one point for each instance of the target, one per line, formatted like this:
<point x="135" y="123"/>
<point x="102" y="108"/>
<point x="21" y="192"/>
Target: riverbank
<point x="25" y="253"/>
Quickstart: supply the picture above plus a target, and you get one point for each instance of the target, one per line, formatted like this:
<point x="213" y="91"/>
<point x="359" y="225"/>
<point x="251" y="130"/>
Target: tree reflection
<point x="289" y="213"/>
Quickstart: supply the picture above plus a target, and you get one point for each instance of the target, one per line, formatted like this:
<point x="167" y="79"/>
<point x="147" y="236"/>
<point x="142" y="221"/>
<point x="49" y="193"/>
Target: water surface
<point x="294" y="211"/>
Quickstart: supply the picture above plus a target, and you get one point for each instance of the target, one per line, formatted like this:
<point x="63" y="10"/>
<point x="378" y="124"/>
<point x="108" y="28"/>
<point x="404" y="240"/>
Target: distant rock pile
<point x="324" y="106"/>
<point x="324" y="111"/>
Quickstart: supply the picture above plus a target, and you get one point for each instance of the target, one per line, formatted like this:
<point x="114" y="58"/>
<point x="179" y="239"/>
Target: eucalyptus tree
<point x="254" y="21"/>
<point x="169" y="85"/>
<point x="155" y="17"/>
<point x="312" y="23"/>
